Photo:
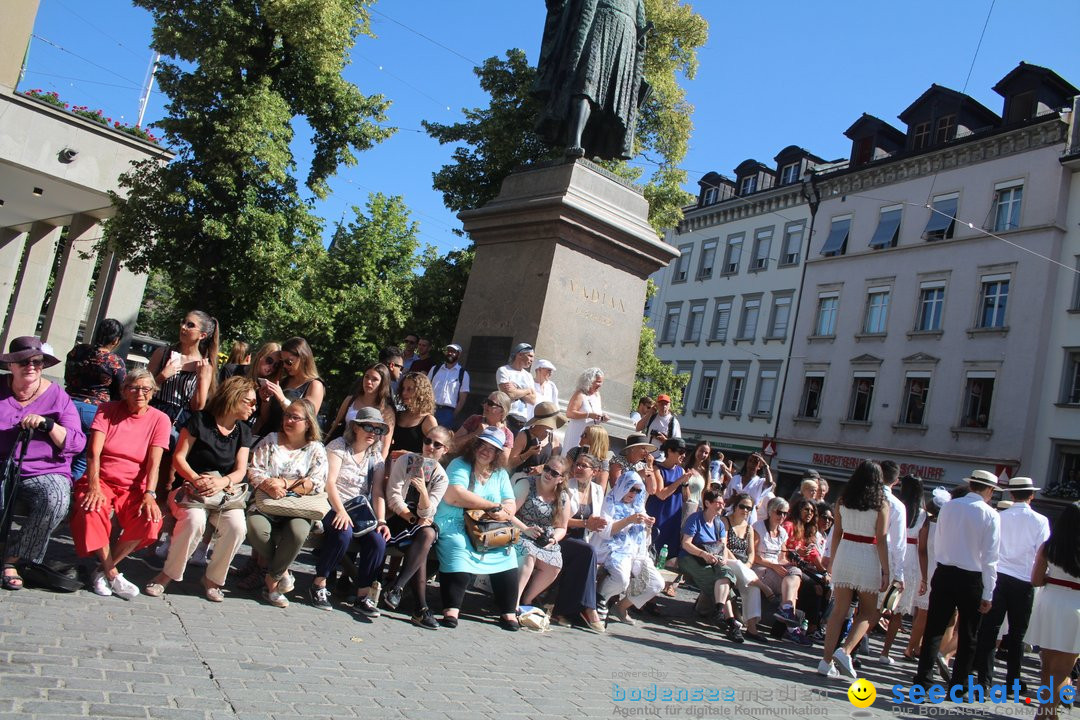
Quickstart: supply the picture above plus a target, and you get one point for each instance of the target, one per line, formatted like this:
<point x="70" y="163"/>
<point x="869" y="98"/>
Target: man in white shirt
<point x="644" y="407"/>
<point x="897" y="529"/>
<point x="661" y="425"/>
<point x="966" y="546"/>
<point x="1023" y="531"/>
<point x="516" y="381"/>
<point x="450" y="382"/>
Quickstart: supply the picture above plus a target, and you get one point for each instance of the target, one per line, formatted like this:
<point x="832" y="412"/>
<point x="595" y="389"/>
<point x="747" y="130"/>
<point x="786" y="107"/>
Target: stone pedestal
<point x="562" y="258"/>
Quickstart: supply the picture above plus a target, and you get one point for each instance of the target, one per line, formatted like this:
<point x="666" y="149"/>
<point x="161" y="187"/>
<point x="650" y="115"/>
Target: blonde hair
<point x="230" y="395"/>
<point x="312" y="433"/>
<point x="595" y="437"/>
<point x="256" y="360"/>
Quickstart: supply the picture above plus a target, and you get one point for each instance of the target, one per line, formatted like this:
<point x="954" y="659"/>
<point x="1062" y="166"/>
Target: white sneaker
<point x="844" y="661"/>
<point x="286" y="584"/>
<point x="100" y="584"/>
<point x="162" y="550"/>
<point x="886" y="660"/>
<point x="201" y="556"/>
<point x="827" y="669"/>
<point x="121" y="587"/>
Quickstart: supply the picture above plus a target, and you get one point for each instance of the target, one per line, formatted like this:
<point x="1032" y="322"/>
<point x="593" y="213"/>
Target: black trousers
<point x="577" y="580"/>
<point x="1013" y="597"/>
<point x="452" y="586"/>
<point x="951" y="589"/>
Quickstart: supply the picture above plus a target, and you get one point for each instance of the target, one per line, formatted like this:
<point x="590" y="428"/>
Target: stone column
<point x="11" y="252"/>
<point x="117" y="294"/>
<point x="562" y="258"/>
<point x="71" y="289"/>
<point x="32" y="280"/>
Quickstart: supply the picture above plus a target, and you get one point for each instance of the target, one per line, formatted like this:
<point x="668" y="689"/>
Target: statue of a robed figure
<point x="590" y="76"/>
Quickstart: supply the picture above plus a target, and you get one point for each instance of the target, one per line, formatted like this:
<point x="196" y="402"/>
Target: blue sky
<point x="772" y="74"/>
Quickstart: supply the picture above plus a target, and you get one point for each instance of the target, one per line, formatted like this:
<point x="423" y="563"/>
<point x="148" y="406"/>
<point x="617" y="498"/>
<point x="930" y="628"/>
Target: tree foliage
<point x="437" y="295"/>
<point x="655" y="376"/>
<point x="496" y="139"/>
<point x="225" y="220"/>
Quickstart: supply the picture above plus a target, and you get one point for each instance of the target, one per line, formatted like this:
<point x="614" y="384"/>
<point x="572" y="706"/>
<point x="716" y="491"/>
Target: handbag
<point x="535" y="619"/>
<point x="362" y="515"/>
<point x="231" y="497"/>
<point x="488" y="534"/>
<point x="306" y="507"/>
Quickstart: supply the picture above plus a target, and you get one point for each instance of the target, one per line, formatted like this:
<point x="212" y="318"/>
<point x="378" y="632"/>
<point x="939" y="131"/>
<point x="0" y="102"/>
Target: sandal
<point x="670" y="590"/>
<point x="213" y="593"/>
<point x="12" y="581"/>
<point x="154" y="589"/>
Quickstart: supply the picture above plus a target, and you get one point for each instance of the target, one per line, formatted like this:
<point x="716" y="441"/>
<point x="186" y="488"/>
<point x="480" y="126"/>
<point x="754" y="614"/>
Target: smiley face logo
<point x="862" y="693"/>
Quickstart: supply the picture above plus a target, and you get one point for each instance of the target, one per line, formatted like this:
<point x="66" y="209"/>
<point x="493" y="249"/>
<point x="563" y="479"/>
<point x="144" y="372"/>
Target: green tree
<point x="437" y="294"/>
<point x="225" y="220"/>
<point x="655" y="376"/>
<point x="159" y="315"/>
<point x="496" y="139"/>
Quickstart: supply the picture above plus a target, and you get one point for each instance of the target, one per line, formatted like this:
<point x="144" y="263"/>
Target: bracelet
<point x="381" y="523"/>
<point x="151" y="493"/>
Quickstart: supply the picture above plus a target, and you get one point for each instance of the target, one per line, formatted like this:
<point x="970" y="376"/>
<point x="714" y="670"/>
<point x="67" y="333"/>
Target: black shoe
<point x="757" y="637"/>
<point x="424" y="618"/>
<point x="735" y="633"/>
<point x="320" y="597"/>
<point x="511" y="625"/>
<point x="449" y="622"/>
<point x="651" y="608"/>
<point x="366" y="607"/>
<point x="392" y="598"/>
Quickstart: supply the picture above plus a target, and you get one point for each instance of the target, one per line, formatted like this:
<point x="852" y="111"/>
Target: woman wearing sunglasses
<point x="496" y="408"/>
<point x="186" y="373"/>
<point x="741" y="545"/>
<point x="413" y="491"/>
<point x="543" y="509"/>
<point x="299" y="379"/>
<point x="265" y="367"/>
<point x="536" y="443"/>
<point x="776" y="571"/>
<point x="30" y="402"/>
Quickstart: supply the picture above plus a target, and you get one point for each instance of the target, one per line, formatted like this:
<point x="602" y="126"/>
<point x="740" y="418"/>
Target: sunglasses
<point x="187" y="324"/>
<point x="32" y="362"/>
<point x="747" y="508"/>
<point x="399" y="366"/>
<point x="138" y="390"/>
<point x="781" y="512"/>
<point x="295" y="418"/>
<point x="633" y="491"/>
<point x="552" y="471"/>
<point x="434" y="443"/>
<point x="493" y="404"/>
<point x="583" y="466"/>
<point x="828" y="518"/>
<point x="251" y="402"/>
<point x="375" y="429"/>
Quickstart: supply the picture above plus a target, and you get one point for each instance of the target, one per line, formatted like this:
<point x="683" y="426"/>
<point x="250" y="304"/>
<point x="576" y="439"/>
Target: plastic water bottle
<point x="661" y="559"/>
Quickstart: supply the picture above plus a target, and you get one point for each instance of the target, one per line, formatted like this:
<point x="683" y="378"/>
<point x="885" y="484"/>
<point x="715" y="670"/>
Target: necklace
<point x="26" y="400"/>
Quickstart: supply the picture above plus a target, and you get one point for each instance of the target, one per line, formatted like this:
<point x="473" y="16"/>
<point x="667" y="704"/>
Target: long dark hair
<point x="690" y="461"/>
<point x="1063" y="547"/>
<point x="911" y="494"/>
<point x="865" y="490"/>
<point x="107" y="332"/>
<point x="804" y="531"/>
<point x="382" y="393"/>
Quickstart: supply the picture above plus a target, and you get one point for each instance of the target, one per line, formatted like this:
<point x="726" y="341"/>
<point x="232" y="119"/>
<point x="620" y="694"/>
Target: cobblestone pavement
<point x="179" y="656"/>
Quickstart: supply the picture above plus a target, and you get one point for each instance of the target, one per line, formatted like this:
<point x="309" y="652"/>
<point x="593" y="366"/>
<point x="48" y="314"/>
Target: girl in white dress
<point x="859" y="563"/>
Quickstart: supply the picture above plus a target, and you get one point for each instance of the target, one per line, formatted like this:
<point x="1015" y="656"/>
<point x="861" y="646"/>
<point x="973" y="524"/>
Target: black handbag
<point x="362" y="515"/>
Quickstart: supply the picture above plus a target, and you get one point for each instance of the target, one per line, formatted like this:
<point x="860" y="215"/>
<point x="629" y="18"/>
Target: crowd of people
<point x="401" y="485"/>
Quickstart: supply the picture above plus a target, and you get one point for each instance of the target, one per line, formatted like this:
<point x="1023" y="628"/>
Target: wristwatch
<point x="151" y="493"/>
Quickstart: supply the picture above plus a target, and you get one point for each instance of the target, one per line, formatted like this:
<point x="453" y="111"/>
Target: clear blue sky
<point x="772" y="74"/>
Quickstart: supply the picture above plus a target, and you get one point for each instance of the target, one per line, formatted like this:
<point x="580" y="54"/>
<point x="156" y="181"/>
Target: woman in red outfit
<point x="127" y="440"/>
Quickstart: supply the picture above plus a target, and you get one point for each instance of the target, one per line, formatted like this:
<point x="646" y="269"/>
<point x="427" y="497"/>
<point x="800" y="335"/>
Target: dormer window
<point x="946" y="129"/>
<point x="711" y="196"/>
<point x="748" y="185"/>
<point x="920" y="136"/>
<point x="789" y="174"/>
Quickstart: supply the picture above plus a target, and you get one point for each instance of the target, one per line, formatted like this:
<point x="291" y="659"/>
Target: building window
<point x="920" y="136"/>
<point x="978" y="392"/>
<point x="942" y="220"/>
<point x="862" y="398"/>
<point x="877" y="311"/>
<point x="946" y="129"/>
<point x="707" y="389"/>
<point x="711" y="195"/>
<point x="1007" y="208"/>
<point x="732" y="254"/>
<point x="993" y="300"/>
<point x="762" y="246"/>
<point x="1070" y="389"/>
<point x="836" y="243"/>
<point x="708" y="259"/>
<point x="721" y="320"/>
<point x="671" y="323"/>
<point x="682" y="265"/>
<point x="913" y="408"/>
<point x="789" y="174"/>
<point x="931" y="306"/>
<point x="888" y="230"/>
<point x="748" y="185"/>
<point x="793" y="235"/>
<point x="749" y="319"/>
<point x="810" y="404"/>
<point x="694" y="322"/>
<point x="684" y="369"/>
<point x="778" y="318"/>
<point x="826" y="315"/>
<point x="766" y="390"/>
<point x="1076" y="287"/>
<point x="1065" y="473"/>
<point x="736" y="386"/>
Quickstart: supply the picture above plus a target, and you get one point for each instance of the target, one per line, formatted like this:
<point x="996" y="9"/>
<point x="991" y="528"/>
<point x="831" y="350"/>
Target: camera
<point x="545" y="537"/>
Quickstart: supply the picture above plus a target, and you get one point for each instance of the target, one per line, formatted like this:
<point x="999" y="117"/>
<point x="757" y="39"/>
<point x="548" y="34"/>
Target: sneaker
<point x="366" y="607"/>
<point x="275" y="598"/>
<point x="392" y="598"/>
<point x="886" y="660"/>
<point x="320" y="597"/>
<point x="286" y="584"/>
<point x="786" y="615"/>
<point x="844" y="661"/>
<point x="122" y="588"/>
<point x="818" y="635"/>
<point x="100" y="584"/>
<point x="827" y="669"/>
<point x="201" y="556"/>
<point x="735" y="633"/>
<point x="601" y="608"/>
<point x="425" y="619"/>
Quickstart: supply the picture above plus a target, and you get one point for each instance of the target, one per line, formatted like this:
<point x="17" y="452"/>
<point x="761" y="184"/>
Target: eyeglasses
<point x="399" y="366"/>
<point x="32" y="362"/>
<point x="289" y="362"/>
<point x="747" y="508"/>
<point x="493" y="404"/>
<point x="140" y="390"/>
<point x="553" y="472"/>
<point x="583" y="466"/>
<point x="188" y="325"/>
<point x="295" y="418"/>
<point x="434" y="443"/>
<point x="373" y="429"/>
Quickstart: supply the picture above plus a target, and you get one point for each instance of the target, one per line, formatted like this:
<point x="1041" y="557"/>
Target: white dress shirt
<point x="968" y="536"/>
<point x="897" y="535"/>
<point x="445" y="385"/>
<point x="1023" y="531"/>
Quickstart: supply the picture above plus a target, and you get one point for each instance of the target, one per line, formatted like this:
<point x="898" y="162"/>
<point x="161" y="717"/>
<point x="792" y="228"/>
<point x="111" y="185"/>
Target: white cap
<point x="543" y="365"/>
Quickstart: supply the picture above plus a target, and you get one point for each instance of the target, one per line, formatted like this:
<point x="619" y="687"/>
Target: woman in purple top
<point x="28" y="400"/>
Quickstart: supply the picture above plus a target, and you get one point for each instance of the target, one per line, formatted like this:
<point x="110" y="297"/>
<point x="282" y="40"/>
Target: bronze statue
<point x="589" y="76"/>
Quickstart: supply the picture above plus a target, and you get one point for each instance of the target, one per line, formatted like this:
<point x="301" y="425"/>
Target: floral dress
<point x="538" y="512"/>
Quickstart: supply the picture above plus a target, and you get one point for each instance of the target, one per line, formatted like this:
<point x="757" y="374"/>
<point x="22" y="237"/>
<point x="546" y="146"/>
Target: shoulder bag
<point x="307" y="507"/>
<point x="486" y="533"/>
<point x="232" y="497"/>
